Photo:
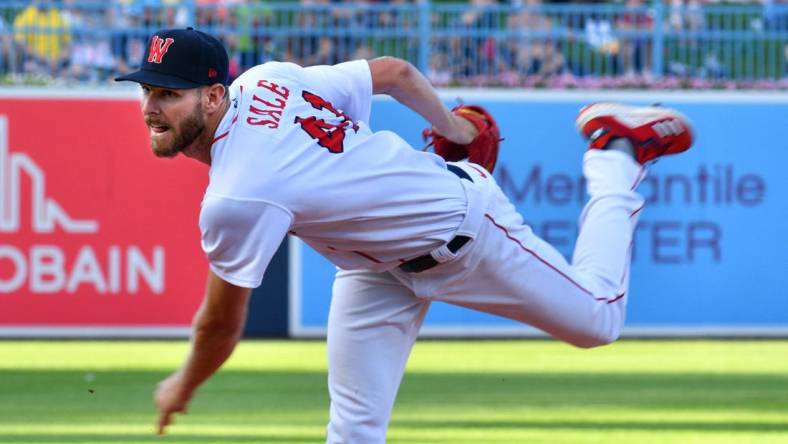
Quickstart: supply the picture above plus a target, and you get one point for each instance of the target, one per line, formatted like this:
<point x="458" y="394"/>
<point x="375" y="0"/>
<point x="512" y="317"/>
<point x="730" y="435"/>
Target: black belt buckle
<point x="425" y="262"/>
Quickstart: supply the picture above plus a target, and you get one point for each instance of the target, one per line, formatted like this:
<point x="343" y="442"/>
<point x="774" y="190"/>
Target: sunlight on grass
<point x="454" y="392"/>
<point x="464" y="356"/>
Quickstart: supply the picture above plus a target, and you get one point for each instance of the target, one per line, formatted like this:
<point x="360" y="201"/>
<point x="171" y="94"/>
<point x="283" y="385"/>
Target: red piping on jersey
<point x="639" y="178"/>
<point x="367" y="257"/>
<point x="478" y="170"/>
<point x="235" y="119"/>
<point x="533" y="253"/>
<point x="626" y="271"/>
<point x="224" y="134"/>
<point x="583" y="220"/>
<point x="631" y="243"/>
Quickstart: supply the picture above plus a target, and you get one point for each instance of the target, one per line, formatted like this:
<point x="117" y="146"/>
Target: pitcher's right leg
<point x="373" y="323"/>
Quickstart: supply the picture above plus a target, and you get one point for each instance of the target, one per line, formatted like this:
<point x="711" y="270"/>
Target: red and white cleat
<point x="653" y="131"/>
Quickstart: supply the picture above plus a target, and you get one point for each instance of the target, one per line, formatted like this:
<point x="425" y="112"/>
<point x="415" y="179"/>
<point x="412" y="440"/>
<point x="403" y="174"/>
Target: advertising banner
<point x="97" y="236"/>
<point x="710" y="253"/>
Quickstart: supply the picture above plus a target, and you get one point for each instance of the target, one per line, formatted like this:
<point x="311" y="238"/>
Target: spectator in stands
<point x="363" y="52"/>
<point x="346" y="17"/>
<point x="213" y="13"/>
<point x="8" y="52"/>
<point x="91" y="59"/>
<point x="530" y="49"/>
<point x="255" y="45"/>
<point x="174" y="14"/>
<point x="396" y="15"/>
<point x="636" y="25"/>
<point x="155" y="14"/>
<point x="386" y="18"/>
<point x="128" y="21"/>
<point x="43" y="33"/>
<point x="775" y="15"/>
<point x="72" y="14"/>
<point x="477" y="51"/>
<point x="310" y="20"/>
<point x="602" y="39"/>
<point x="324" y="55"/>
<point x="684" y="15"/>
<point x="91" y="56"/>
<point x="461" y="64"/>
<point x="775" y="18"/>
<point x="439" y="73"/>
<point x="315" y="18"/>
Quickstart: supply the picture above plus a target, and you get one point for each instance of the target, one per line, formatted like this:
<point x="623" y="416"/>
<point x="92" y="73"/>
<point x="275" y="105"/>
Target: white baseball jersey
<point x="295" y="153"/>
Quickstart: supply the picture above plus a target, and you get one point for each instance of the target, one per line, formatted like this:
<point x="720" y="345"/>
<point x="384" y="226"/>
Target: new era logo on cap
<point x="158" y="47"/>
<point x="182" y="59"/>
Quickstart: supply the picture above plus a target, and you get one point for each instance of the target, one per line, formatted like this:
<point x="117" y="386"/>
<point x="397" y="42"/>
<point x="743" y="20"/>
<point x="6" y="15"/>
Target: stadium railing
<point x="687" y="43"/>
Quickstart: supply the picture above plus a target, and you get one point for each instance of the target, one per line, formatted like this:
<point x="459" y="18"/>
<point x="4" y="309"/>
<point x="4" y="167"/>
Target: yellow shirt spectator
<point x="43" y="31"/>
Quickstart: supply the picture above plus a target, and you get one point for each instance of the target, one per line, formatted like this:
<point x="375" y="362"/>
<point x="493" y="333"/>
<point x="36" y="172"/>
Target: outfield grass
<point x="633" y="392"/>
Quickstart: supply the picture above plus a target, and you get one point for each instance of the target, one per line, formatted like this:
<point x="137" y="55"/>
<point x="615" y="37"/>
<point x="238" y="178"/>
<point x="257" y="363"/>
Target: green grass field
<point x="455" y="392"/>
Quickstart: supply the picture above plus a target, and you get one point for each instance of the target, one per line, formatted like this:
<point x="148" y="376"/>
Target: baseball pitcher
<point x="290" y="150"/>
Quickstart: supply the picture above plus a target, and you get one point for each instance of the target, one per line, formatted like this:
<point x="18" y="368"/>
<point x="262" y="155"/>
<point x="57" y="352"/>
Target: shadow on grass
<point x="679" y="391"/>
<point x="608" y="426"/>
<point x="140" y="438"/>
<point x="292" y="399"/>
<point x="232" y="392"/>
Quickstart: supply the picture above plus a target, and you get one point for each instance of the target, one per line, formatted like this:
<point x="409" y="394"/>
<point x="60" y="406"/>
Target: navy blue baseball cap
<point x="182" y="59"/>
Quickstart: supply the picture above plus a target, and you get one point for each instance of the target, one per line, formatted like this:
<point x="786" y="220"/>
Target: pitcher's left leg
<point x="513" y="273"/>
<point x="520" y="276"/>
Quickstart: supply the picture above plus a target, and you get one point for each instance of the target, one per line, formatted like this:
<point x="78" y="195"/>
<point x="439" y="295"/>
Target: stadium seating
<point x="691" y="44"/>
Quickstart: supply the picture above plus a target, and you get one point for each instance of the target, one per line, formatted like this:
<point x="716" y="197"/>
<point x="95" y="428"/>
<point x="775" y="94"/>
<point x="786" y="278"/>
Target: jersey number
<point x="328" y="135"/>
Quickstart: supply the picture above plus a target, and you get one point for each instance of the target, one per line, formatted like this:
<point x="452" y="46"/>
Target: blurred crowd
<point x="479" y="41"/>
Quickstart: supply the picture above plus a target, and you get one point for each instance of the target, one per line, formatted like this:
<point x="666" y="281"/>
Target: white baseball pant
<point x="506" y="270"/>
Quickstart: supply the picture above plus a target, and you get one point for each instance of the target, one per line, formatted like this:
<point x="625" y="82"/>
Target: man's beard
<point x="187" y="132"/>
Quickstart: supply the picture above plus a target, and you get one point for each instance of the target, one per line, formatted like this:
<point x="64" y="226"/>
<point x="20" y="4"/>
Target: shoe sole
<point x="631" y="116"/>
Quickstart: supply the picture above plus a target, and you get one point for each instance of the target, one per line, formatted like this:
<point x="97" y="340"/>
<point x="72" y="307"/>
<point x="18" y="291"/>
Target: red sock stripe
<point x="533" y="253"/>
